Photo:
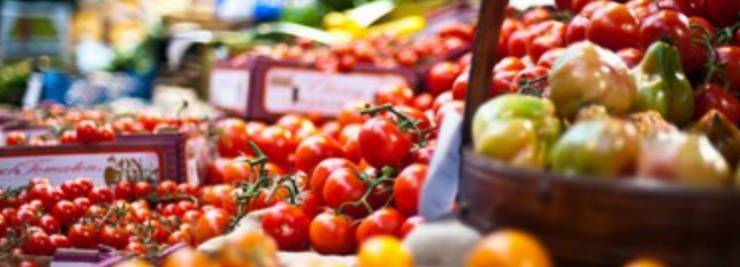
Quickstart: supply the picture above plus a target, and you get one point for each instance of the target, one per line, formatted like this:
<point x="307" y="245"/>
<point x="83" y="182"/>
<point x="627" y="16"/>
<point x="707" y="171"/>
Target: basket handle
<point x="490" y="19"/>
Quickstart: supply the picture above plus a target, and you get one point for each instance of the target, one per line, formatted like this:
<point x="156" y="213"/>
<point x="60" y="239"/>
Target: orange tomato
<point x="509" y="248"/>
<point x="249" y="249"/>
<point x="188" y="257"/>
<point x="384" y="251"/>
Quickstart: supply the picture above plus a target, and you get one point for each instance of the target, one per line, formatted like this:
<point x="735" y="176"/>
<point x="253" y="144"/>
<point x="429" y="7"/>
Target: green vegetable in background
<point x="662" y="85"/>
<point x="518" y="129"/>
<point x="309" y="13"/>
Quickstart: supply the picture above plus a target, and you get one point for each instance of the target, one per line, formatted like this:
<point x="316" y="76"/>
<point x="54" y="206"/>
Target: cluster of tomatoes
<point x="383" y="51"/>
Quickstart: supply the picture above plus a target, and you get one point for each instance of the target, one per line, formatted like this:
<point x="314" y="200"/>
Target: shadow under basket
<point x="590" y="222"/>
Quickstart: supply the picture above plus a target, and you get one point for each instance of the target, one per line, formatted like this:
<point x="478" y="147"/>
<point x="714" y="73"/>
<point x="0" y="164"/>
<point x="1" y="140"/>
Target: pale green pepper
<point x="662" y="85"/>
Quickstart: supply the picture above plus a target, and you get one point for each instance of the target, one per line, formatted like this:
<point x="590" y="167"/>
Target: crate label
<point x="229" y="89"/>
<point x="313" y="91"/>
<point x="101" y="168"/>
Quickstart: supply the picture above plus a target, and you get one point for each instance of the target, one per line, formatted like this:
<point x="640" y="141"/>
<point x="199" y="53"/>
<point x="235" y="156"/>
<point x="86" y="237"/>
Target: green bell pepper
<point x="662" y="85"/>
<point x="518" y="129"/>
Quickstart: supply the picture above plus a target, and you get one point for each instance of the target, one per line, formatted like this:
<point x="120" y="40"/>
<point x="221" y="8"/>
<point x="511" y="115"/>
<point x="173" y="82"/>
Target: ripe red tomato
<point x="614" y="26"/>
<point x="60" y="241"/>
<point x="318" y="177"/>
<point x="278" y="143"/>
<point x="331" y="129"/>
<point x="66" y="212"/>
<point x="179" y="237"/>
<point x="507" y="29"/>
<point x="141" y="189"/>
<point x="15" y="138"/>
<point x="68" y="137"/>
<point x="713" y="96"/>
<point x="288" y="225"/>
<point x="536" y="15"/>
<point x="563" y="4"/>
<point x="237" y="171"/>
<point x="135" y="248"/>
<point x="300" y="126"/>
<point x="24" y="215"/>
<point x="695" y="56"/>
<point x="441" y="76"/>
<point x="106" y="133"/>
<point x="532" y="80"/>
<point x="213" y="222"/>
<point x="548" y="40"/>
<point x="312" y="203"/>
<point x="47" y="194"/>
<point x="350" y="112"/>
<point x="350" y="140"/>
<point x="517" y="45"/>
<point x="315" y="149"/>
<point x="673" y="25"/>
<point x="187" y="188"/>
<point x="38" y="243"/>
<point x="86" y="184"/>
<point x="114" y="236"/>
<point x="383" y="144"/>
<point x="83" y="235"/>
<point x="576" y="30"/>
<point x="87" y="132"/>
<point x="631" y="56"/>
<point x="460" y="86"/>
<point x="101" y="194"/>
<point x="722" y="12"/>
<point x="548" y="58"/>
<point x="729" y="56"/>
<point x="410" y="224"/>
<point x="49" y="224"/>
<point x="342" y="186"/>
<point x="166" y="188"/>
<point x="386" y="221"/>
<point x="123" y="190"/>
<point x="71" y="189"/>
<point x="332" y="234"/>
<point x="407" y="188"/>
<point x="503" y="82"/>
<point x="82" y="204"/>
<point x="233" y="138"/>
<point x="394" y="95"/>
<point x="509" y="64"/>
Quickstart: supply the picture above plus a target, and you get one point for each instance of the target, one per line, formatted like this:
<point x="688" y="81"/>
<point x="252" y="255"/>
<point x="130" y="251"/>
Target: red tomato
<point x="324" y="169"/>
<point x="517" y="45"/>
<point x="332" y="234"/>
<point x="349" y="138"/>
<point x="503" y="82"/>
<point x="548" y="58"/>
<point x="669" y="24"/>
<point x="550" y="39"/>
<point x="106" y="133"/>
<point x="277" y="142"/>
<point x="123" y="190"/>
<point x="695" y="56"/>
<point x="68" y="137"/>
<point x="82" y="204"/>
<point x="212" y="223"/>
<point x="83" y="235"/>
<point x="713" y="96"/>
<point x="315" y="149"/>
<point x="423" y="101"/>
<point x="135" y="248"/>
<point x="312" y="203"/>
<point x="343" y="186"/>
<point x="331" y="129"/>
<point x="631" y="56"/>
<point x="407" y="58"/>
<point x="47" y="194"/>
<point x="509" y="64"/>
<point x="563" y="4"/>
<point x="407" y="188"/>
<point x="723" y="12"/>
<point x="233" y="138"/>
<point x="410" y="224"/>
<point x="87" y="132"/>
<point x="395" y="95"/>
<point x="237" y="171"/>
<point x="383" y="144"/>
<point x="166" y="188"/>
<point x="100" y="194"/>
<point x="729" y="56"/>
<point x="386" y="221"/>
<point x="38" y="243"/>
<point x="536" y="15"/>
<point x="71" y="189"/>
<point x="614" y="26"/>
<point x="576" y="30"/>
<point x="507" y="29"/>
<point x="187" y="188"/>
<point x="350" y="112"/>
<point x="532" y="80"/>
<point x="460" y="86"/>
<point x="178" y="237"/>
<point x="288" y="225"/>
<point x="441" y="76"/>
<point x="441" y="99"/>
<point x="301" y="127"/>
<point x="86" y="184"/>
<point x="60" y="241"/>
<point x="114" y="236"/>
<point x="49" y="224"/>
<point x="141" y="189"/>
<point x="15" y="138"/>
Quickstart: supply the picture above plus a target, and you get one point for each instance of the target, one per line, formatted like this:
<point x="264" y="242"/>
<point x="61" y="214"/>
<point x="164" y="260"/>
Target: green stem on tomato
<point x="404" y="123"/>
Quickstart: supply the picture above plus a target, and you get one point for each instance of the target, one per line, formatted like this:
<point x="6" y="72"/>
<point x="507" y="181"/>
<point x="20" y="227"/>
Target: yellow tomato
<point x="645" y="262"/>
<point x="384" y="251"/>
<point x="249" y="249"/>
<point x="188" y="257"/>
<point x="509" y="248"/>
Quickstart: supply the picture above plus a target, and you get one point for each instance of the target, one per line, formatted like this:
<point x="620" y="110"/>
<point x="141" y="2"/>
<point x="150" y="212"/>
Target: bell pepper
<point x="517" y="129"/>
<point x="586" y="74"/>
<point x="651" y="123"/>
<point x="600" y="147"/>
<point x="683" y="158"/>
<point x="723" y="134"/>
<point x="662" y="85"/>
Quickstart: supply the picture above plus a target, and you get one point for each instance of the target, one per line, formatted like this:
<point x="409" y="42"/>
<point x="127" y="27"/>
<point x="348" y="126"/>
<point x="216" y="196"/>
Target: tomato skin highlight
<point x="332" y="234"/>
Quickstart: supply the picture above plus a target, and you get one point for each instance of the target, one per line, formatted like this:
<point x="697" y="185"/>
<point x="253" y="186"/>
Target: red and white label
<point x="229" y="89"/>
<point x="313" y="91"/>
<point x="101" y="168"/>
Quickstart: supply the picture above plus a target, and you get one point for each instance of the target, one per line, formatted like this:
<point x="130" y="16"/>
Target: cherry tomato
<point x="722" y="12"/>
<point x="383" y="144"/>
<point x="101" y="194"/>
<point x="614" y="26"/>
<point x="233" y="138"/>
<point x="38" y="243"/>
<point x="123" y="190"/>
<point x="441" y="76"/>
<point x="549" y="40"/>
<point x="315" y="149"/>
<point x="407" y="188"/>
<point x="536" y="15"/>
<point x="187" y="188"/>
<point x="60" y="241"/>
<point x="342" y="186"/>
<point x="395" y="95"/>
<point x="179" y="237"/>
<point x="141" y="189"/>
<point x="695" y="56"/>
<point x="135" y="248"/>
<point x="324" y="169"/>
<point x="507" y="29"/>
<point x="68" y="137"/>
<point x="410" y="224"/>
<point x="300" y="126"/>
<point x="509" y="64"/>
<point x="503" y="82"/>
<point x="49" y="224"/>
<point x="114" y="236"/>
<point x="729" y="56"/>
<point x="386" y="221"/>
<point x="166" y="188"/>
<point x="27" y="216"/>
<point x="713" y="96"/>
<point x="213" y="222"/>
<point x="548" y="58"/>
<point x="86" y="184"/>
<point x="631" y="56"/>
<point x="83" y="235"/>
<point x="312" y="203"/>
<point x="71" y="189"/>
<point x="332" y="234"/>
<point x="384" y="251"/>
<point x="673" y="25"/>
<point x="532" y="80"/>
<point x="277" y="142"/>
<point x="350" y="112"/>
<point x="87" y="132"/>
<point x="15" y="138"/>
<point x="349" y="138"/>
<point x="106" y="133"/>
<point x="288" y="225"/>
<point x="82" y="204"/>
<point x="576" y="30"/>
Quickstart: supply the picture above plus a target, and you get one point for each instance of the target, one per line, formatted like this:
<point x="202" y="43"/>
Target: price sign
<point x="229" y="89"/>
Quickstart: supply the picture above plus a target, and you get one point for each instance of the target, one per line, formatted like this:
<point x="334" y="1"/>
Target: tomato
<point x="407" y="188"/>
<point x="460" y="86"/>
<point x="101" y="194"/>
<point x="27" y="264"/>
<point x="187" y="188"/>
<point x="141" y="189"/>
<point x="509" y="248"/>
<point x="330" y="233"/>
<point x="15" y="138"/>
<point x="394" y="95"/>
<point x="315" y="149"/>
<point x="729" y="56"/>
<point x="71" y="189"/>
<point x="441" y="76"/>
<point x="631" y="56"/>
<point x="343" y="186"/>
<point x="135" y="248"/>
<point x="324" y="169"/>
<point x="614" y="26"/>
<point x="127" y="125"/>
<point x="301" y="127"/>
<point x="312" y="203"/>
<point x="249" y="248"/>
<point x="86" y="184"/>
<point x="106" y="133"/>
<point x="532" y="81"/>
<point x="83" y="235"/>
<point x="675" y="26"/>
<point x="27" y="216"/>
<point x="517" y="45"/>
<point x="213" y="222"/>
<point x="410" y="224"/>
<point x="277" y="142"/>
<point x="38" y="243"/>
<point x="536" y="15"/>
<point x="68" y="137"/>
<point x="713" y="96"/>
<point x="166" y="188"/>
<point x="263" y="200"/>
<point x="385" y="221"/>
<point x="509" y="64"/>
<point x="82" y="204"/>
<point x="188" y="257"/>
<point x="123" y="190"/>
<point x="423" y="101"/>
<point x="350" y="112"/>
<point x="723" y="12"/>
<point x="349" y="138"/>
<point x="160" y="231"/>
<point x="507" y="29"/>
<point x="288" y="225"/>
<point x="382" y="143"/>
<point x="503" y="82"/>
<point x="60" y="241"/>
<point x="87" y="132"/>
<point x="47" y="194"/>
<point x="549" y="40"/>
<point x="232" y="138"/>
<point x="238" y="170"/>
<point x="331" y="129"/>
<point x="114" y="236"/>
<point x="563" y="4"/>
<point x="441" y="99"/>
<point x="695" y="56"/>
<point x="49" y="224"/>
<point x="407" y="58"/>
